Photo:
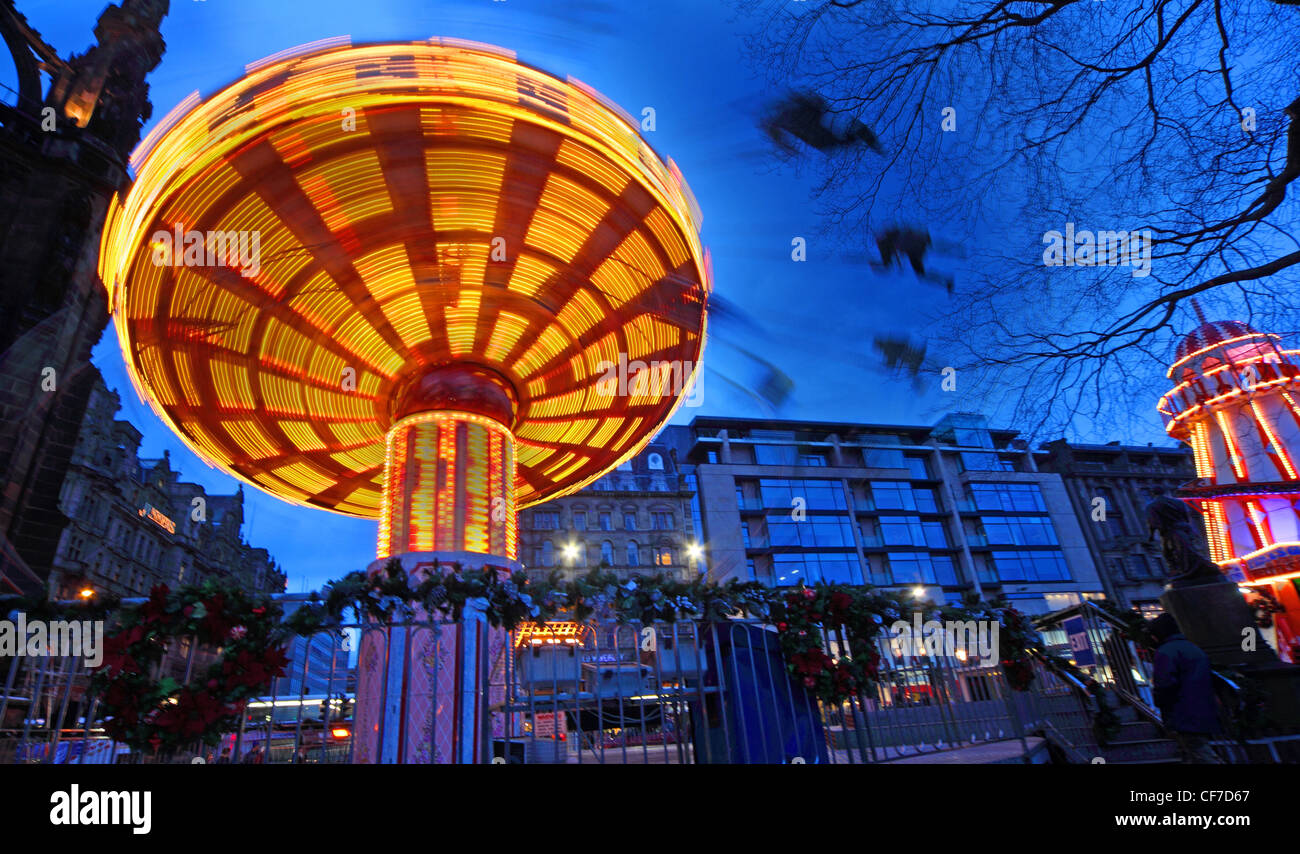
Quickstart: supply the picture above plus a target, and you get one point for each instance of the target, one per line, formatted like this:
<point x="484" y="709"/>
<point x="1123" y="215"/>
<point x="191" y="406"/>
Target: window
<point x="547" y="557"/>
<point x="744" y="534"/>
<point x="983" y="462"/>
<point x="901" y="531"/>
<point x="775" y="455"/>
<point x="713" y="456"/>
<point x="663" y="556"/>
<point x="882" y="458"/>
<point x="1019" y="531"/>
<point x="918" y="467"/>
<point x="546" y="520"/>
<point x="816" y="494"/>
<point x="655" y="462"/>
<point x="911" y="568"/>
<point x="1031" y="566"/>
<point x="900" y="495"/>
<point x="633" y="554"/>
<point x="629" y="521"/>
<point x="607" y="552"/>
<point x="923" y="498"/>
<point x="812" y="531"/>
<point x="661" y="521"/>
<point x="606" y="522"/>
<point x="1009" y="497"/>
<point x="811" y="567"/>
<point x="579" y="520"/>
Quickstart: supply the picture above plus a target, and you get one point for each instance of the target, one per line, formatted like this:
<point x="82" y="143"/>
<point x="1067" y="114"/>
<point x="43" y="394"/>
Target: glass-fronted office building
<point x="943" y="510"/>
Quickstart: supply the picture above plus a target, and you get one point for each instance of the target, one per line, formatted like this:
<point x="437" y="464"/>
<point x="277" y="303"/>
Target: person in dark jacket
<point x="1184" y="691"/>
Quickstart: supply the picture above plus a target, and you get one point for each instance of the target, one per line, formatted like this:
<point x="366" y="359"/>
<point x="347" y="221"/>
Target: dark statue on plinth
<point x="1178" y="537"/>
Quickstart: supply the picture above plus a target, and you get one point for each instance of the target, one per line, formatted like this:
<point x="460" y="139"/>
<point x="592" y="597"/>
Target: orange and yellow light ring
<point x="602" y="240"/>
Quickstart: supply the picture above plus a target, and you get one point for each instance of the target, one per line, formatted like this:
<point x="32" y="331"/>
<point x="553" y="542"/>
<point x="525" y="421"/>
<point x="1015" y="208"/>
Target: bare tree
<point x="1003" y="121"/>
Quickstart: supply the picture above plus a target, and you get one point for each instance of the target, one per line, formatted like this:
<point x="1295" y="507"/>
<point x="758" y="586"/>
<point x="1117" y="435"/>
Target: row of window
<point x="545" y="556"/>
<point x="1018" y="531"/>
<point x="549" y="520"/>
<point x="899" y="495"/>
<point x="1031" y="566"/>
<point x="898" y="568"/>
<point x="1009" y="497"/>
<point x="803" y="455"/>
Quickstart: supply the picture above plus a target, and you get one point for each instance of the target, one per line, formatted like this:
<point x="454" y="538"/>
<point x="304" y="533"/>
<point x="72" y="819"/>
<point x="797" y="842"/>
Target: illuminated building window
<point x="655" y="462"/>
<point x="663" y="556"/>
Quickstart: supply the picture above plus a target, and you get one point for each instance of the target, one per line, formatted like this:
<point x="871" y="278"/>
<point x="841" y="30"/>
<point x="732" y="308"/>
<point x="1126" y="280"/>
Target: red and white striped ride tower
<point x="1237" y="403"/>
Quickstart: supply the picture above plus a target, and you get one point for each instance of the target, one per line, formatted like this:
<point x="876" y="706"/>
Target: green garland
<point x="801" y="616"/>
<point x="248" y="633"/>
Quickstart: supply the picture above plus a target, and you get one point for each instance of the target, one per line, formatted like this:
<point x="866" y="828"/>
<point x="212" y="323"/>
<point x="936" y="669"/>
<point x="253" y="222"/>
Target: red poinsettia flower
<point x="217" y="623"/>
<point x="154" y="610"/>
<point x="117" y="658"/>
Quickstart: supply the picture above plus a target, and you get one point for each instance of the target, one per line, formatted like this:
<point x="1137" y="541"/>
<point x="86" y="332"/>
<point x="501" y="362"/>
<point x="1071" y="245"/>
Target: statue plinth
<point x="1214" y="616"/>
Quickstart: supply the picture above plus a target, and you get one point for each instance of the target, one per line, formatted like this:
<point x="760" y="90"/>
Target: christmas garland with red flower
<point x="146" y="712"/>
<point x="856" y="616"/>
<point x="802" y="616"/>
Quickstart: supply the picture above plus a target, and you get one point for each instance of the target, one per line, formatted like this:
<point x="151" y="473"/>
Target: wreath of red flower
<point x="852" y="618"/>
<point x="143" y="711"/>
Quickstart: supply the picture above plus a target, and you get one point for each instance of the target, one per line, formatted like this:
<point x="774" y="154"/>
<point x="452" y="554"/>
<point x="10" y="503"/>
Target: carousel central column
<point x="449" y="499"/>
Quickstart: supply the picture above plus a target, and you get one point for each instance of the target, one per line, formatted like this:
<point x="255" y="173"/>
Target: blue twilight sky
<point x="682" y="57"/>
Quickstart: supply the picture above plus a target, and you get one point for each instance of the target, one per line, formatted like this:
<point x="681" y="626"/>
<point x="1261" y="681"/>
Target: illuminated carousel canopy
<point x="307" y="254"/>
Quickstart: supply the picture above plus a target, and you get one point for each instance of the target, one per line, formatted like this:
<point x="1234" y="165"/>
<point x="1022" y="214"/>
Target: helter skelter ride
<point x="451" y="250"/>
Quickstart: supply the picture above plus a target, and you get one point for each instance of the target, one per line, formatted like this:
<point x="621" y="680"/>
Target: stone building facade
<point x="635" y="520"/>
<point x="63" y="153"/>
<point x="1109" y="487"/>
<point x="134" y="523"/>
